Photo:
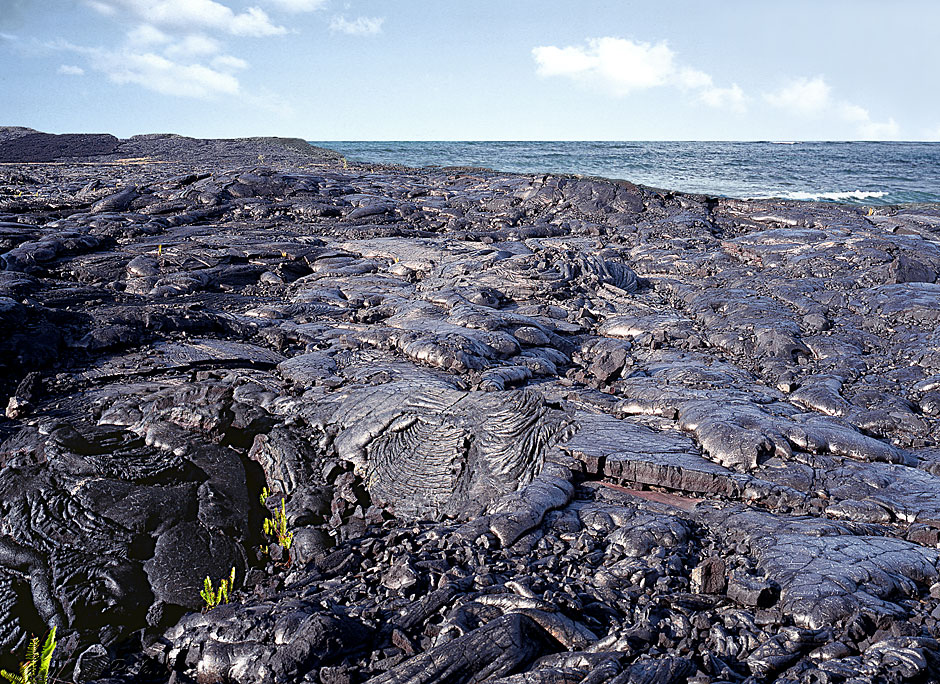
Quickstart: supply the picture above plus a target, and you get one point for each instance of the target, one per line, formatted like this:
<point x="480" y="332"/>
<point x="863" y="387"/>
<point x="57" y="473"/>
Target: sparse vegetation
<point x="35" y="669"/>
<point x="276" y="527"/>
<point x="216" y="597"/>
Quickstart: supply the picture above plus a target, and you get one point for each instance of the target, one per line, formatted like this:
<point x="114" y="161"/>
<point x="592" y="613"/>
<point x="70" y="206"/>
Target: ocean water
<point x="866" y="173"/>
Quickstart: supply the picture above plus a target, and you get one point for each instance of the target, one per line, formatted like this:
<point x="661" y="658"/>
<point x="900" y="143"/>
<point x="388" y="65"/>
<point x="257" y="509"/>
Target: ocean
<point x="867" y="173"/>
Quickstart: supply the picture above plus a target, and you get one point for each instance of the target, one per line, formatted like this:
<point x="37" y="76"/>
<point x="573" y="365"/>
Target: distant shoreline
<point x="851" y="172"/>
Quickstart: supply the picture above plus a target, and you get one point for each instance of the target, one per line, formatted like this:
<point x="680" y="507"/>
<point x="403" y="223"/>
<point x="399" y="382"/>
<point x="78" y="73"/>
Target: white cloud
<point x="165" y="76"/>
<point x="813" y="98"/>
<point x="724" y="98"/>
<point x="229" y="62"/>
<point x="177" y="47"/>
<point x="568" y="61"/>
<point x="621" y="65"/>
<point x="880" y="130"/>
<point x="7" y="36"/>
<point x="360" y="26"/>
<point x="254" y="22"/>
<point x="195" y="44"/>
<point x="802" y="96"/>
<point x="298" y="5"/>
<point x="854" y="113"/>
<point x="145" y="34"/>
<point x="866" y="128"/>
<point x="624" y="66"/>
<point x="192" y="15"/>
<point x="166" y="57"/>
<point x="70" y="70"/>
<point x="157" y="73"/>
<point x="693" y="78"/>
<point x="102" y="7"/>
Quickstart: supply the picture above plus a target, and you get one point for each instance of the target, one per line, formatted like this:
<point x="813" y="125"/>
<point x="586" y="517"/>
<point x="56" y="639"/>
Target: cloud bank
<point x="621" y="67"/>
<point x="192" y="15"/>
<point x="156" y="71"/>
<point x="178" y="47"/>
<point x="812" y="98"/>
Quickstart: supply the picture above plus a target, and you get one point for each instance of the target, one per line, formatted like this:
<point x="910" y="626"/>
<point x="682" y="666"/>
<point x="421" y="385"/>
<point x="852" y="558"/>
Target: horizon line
<point x="609" y="140"/>
<point x="495" y="140"/>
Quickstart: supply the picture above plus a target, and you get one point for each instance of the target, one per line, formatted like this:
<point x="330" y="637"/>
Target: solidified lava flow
<point x="525" y="429"/>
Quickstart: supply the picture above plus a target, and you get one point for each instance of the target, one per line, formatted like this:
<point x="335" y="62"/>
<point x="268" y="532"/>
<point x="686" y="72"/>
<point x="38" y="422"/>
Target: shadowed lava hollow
<point x="527" y="429"/>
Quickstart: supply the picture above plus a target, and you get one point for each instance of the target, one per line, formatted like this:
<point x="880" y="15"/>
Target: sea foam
<point x="859" y="195"/>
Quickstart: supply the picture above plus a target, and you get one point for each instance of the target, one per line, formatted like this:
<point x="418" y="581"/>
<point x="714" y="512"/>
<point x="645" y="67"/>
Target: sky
<point x="475" y="69"/>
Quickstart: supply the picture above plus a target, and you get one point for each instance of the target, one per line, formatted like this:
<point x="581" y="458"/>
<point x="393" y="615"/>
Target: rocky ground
<point x="525" y="429"/>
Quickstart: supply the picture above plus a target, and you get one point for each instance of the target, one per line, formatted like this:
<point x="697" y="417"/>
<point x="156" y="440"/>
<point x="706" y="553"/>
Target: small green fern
<point x="216" y="597"/>
<point x="35" y="670"/>
<point x="277" y="527"/>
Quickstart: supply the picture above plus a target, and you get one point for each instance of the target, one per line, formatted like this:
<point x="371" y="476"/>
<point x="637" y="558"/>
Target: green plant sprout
<point x="277" y="526"/>
<point x="217" y="597"/>
<point x="35" y="670"/>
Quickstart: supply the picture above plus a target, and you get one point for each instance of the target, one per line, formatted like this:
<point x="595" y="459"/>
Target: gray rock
<point x="749" y="590"/>
<point x="709" y="577"/>
<point x="91" y="664"/>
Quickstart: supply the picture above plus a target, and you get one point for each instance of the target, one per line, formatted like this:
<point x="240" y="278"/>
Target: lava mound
<point x="46" y="147"/>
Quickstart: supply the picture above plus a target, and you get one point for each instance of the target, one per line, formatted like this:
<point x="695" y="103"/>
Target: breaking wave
<point x="848" y="196"/>
<point x="859" y="195"/>
<point x="872" y="197"/>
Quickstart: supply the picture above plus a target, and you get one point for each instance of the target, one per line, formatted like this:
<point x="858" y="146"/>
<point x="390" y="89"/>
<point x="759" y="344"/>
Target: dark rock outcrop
<point x="517" y="429"/>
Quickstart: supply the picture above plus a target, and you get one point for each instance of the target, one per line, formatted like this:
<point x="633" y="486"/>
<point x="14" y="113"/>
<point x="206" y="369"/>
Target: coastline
<point x="857" y="172"/>
<point x="521" y="424"/>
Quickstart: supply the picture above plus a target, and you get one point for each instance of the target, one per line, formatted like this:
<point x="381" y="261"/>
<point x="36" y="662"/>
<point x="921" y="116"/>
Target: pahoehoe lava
<point x="526" y="429"/>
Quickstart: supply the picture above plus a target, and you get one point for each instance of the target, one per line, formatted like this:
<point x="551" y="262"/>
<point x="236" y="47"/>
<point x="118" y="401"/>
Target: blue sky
<point x="475" y="70"/>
